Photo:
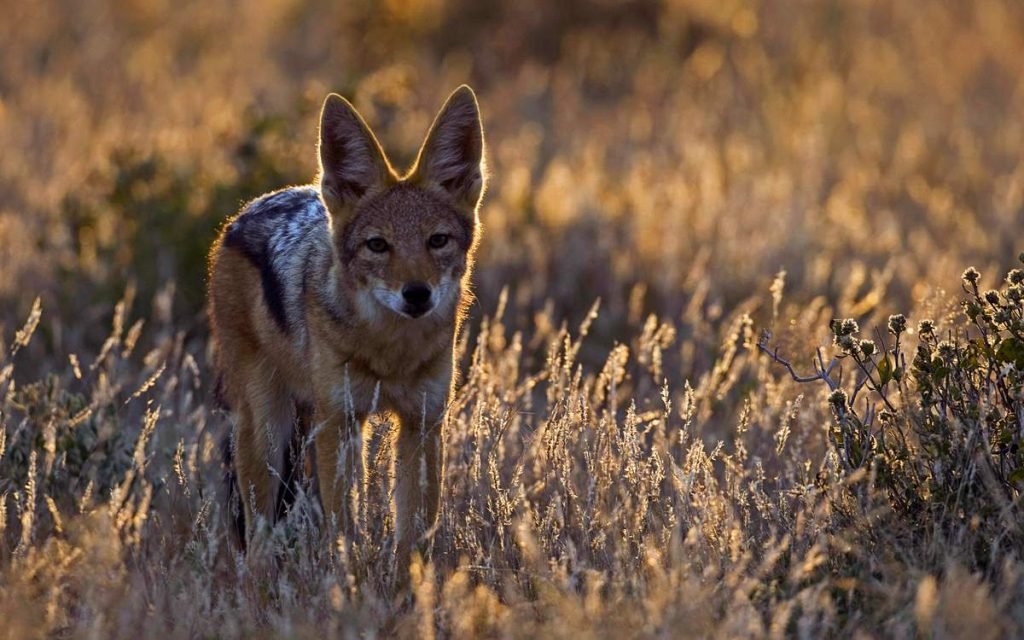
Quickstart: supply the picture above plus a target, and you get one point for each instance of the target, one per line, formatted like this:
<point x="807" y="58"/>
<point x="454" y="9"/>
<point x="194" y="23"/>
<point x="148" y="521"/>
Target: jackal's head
<point x="405" y="243"/>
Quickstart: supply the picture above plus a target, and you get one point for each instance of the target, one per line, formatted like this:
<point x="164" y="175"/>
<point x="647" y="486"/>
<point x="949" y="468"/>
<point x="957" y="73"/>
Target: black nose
<point x="417" y="294"/>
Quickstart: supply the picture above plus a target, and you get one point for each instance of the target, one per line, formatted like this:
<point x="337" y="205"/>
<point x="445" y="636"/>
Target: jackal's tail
<point x="236" y="516"/>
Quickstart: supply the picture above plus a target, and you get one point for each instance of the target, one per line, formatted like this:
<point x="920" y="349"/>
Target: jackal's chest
<point x="398" y="358"/>
<point x="382" y="353"/>
<point x="407" y="382"/>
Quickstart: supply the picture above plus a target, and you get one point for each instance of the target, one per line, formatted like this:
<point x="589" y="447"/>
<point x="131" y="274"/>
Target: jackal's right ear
<point x="351" y="160"/>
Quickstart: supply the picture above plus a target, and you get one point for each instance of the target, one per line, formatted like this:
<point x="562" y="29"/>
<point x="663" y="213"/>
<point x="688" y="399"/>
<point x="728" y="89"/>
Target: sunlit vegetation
<point x="726" y="374"/>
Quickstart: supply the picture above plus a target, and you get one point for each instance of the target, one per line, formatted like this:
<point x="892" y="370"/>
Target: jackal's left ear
<point x="452" y="156"/>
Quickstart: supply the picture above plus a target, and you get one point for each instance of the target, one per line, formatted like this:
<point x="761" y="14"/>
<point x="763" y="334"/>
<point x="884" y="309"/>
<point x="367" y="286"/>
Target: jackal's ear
<point x="351" y="160"/>
<point x="452" y="156"/>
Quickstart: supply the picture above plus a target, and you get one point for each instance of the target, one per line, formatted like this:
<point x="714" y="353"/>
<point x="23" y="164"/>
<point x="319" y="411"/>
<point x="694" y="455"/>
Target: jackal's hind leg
<point x="263" y="432"/>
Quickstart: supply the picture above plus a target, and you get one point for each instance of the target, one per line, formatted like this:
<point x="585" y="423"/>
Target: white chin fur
<point x="370" y="302"/>
<point x="391" y="300"/>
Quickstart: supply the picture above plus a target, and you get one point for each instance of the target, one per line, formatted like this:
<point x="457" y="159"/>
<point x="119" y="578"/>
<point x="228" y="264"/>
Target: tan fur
<point x="349" y="349"/>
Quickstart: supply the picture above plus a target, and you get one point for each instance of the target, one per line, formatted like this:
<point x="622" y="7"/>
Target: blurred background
<point x="666" y="156"/>
<point x="705" y="168"/>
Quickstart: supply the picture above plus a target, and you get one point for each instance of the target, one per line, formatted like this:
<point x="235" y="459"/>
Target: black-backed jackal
<point x="345" y="297"/>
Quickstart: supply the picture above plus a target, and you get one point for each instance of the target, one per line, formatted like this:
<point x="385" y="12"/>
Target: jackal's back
<point x="276" y="233"/>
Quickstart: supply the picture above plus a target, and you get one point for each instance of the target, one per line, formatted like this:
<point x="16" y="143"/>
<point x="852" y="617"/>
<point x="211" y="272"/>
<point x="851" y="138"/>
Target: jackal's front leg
<point x="419" y="469"/>
<point x="341" y="467"/>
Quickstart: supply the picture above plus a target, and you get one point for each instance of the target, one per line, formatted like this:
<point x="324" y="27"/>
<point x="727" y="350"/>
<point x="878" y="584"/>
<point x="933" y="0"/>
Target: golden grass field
<point x="668" y="179"/>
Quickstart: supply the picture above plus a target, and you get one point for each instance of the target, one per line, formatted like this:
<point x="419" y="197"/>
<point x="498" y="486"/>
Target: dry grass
<point x="638" y="470"/>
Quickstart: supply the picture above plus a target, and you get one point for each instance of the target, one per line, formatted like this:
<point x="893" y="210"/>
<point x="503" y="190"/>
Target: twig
<point x="857" y="388"/>
<point x="821" y="372"/>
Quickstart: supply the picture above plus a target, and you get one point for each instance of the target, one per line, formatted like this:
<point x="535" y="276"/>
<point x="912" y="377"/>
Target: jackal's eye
<point x="377" y="245"/>
<point x="438" y="240"/>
